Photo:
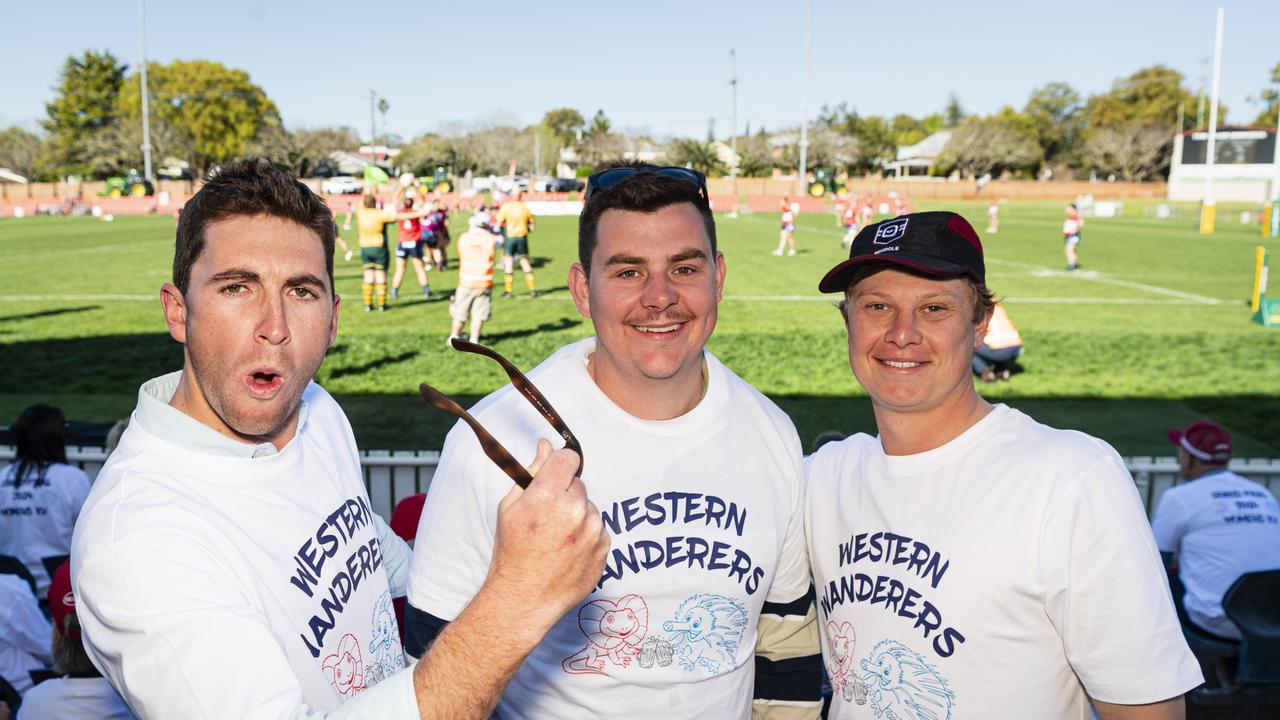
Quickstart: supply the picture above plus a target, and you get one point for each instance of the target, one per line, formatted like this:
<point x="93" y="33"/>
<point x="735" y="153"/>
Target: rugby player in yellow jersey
<point x="516" y="222"/>
<point x="373" y="244"/>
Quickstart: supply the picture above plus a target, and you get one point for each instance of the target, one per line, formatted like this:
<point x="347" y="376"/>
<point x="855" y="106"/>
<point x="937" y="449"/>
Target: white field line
<point x="73" y="251"/>
<point x="1042" y="271"/>
<point x="105" y="298"/>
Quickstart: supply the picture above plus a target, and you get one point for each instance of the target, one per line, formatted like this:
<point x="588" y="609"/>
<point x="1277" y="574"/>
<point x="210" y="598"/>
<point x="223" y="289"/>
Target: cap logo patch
<point x="890" y="231"/>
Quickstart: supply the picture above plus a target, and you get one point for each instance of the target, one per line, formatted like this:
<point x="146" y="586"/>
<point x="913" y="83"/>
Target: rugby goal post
<point x="1265" y="311"/>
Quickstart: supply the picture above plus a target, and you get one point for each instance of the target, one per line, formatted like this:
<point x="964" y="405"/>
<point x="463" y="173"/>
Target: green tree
<point x="1150" y="95"/>
<point x="868" y="142"/>
<point x="993" y="144"/>
<point x="85" y="106"/>
<point x="700" y="156"/>
<point x="1271" y="97"/>
<point x="565" y="124"/>
<point x="907" y="130"/>
<point x="599" y="142"/>
<point x="215" y="111"/>
<point x="22" y="152"/>
<point x="1058" y="118"/>
<point x="1134" y="151"/>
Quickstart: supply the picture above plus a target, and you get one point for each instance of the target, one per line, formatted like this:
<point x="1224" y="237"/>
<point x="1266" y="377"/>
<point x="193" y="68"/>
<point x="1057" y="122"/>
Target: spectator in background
<point x="1000" y="347"/>
<point x="40" y="494"/>
<point x="24" y="633"/>
<point x="993" y="217"/>
<point x="81" y="692"/>
<point x="1218" y="526"/>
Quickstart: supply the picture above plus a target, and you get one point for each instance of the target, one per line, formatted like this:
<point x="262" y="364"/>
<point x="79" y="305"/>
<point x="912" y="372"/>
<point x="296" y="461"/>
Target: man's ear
<point x="175" y="311"/>
<point x="980" y="331"/>
<point x="578" y="288"/>
<point x="720" y="273"/>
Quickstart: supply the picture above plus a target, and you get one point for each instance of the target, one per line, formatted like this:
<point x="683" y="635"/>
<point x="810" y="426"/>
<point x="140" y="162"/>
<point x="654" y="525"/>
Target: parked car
<point x="565" y="185"/>
<point x="341" y="185"/>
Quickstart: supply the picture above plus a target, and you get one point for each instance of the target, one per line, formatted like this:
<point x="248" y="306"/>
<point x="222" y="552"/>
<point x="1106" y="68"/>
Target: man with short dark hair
<point x="696" y="473"/>
<point x="227" y="562"/>
<point x="969" y="561"/>
<point x="1218" y="526"/>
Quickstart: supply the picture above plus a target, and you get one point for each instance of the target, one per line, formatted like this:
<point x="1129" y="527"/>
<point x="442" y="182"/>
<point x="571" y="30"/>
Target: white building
<point x="915" y="160"/>
<point x="1246" y="167"/>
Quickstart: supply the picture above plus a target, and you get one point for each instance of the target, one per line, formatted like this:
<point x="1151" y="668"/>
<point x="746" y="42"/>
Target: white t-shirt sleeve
<point x="396" y="557"/>
<point x="1126" y="648"/>
<point x="1169" y="523"/>
<point x="190" y="643"/>
<point x="455" y="534"/>
<point x="23" y="626"/>
<point x="792" y="579"/>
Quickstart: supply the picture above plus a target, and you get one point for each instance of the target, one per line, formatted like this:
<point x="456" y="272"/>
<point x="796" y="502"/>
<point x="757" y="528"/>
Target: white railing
<point x="392" y="475"/>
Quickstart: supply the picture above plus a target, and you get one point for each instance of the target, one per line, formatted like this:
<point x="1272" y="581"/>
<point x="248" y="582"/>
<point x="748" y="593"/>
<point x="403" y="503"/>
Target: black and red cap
<point x="937" y="243"/>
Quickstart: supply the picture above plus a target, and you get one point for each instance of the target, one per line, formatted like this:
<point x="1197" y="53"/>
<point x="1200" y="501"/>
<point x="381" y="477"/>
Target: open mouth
<point x="901" y="364"/>
<point x="262" y="382"/>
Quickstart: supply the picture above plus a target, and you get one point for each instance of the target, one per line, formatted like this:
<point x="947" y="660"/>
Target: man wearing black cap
<point x="969" y="561"/>
<point x="1217" y="528"/>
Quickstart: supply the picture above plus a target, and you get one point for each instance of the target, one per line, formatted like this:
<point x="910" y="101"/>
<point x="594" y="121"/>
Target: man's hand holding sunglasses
<point x="551" y="544"/>
<point x="548" y="555"/>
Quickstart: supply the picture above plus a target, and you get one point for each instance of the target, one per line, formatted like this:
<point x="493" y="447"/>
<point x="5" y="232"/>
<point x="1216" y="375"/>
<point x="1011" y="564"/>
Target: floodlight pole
<point x="146" y="109"/>
<point x="1209" y="211"/>
<point x="733" y="116"/>
<point x="373" y="127"/>
<point x="804" y="103"/>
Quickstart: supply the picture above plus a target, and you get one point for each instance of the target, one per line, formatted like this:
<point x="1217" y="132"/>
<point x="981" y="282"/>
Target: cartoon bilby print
<point x="345" y="668"/>
<point x="842" y="640"/>
<point x="384" y="645"/>
<point x="614" y="632"/>
<point x="901" y="685"/>
<point x="706" y="631"/>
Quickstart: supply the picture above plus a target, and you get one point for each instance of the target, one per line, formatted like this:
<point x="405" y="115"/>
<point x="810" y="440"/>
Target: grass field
<point x="1153" y="331"/>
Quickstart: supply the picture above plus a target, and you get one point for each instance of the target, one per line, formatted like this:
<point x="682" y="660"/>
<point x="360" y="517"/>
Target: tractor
<point x="131" y="184"/>
<point x="439" y="181"/>
<point x="825" y="181"/>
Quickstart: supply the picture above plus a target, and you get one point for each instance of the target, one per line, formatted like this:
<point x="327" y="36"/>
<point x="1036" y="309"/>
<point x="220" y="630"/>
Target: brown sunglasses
<point x="492" y="448"/>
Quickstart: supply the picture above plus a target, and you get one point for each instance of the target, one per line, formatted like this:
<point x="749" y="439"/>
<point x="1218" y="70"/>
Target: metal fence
<point x="390" y="476"/>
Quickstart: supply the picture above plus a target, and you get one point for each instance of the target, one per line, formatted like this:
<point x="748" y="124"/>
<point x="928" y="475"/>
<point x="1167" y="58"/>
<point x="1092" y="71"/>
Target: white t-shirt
<point x="218" y="586"/>
<point x="1221" y="526"/>
<point x="63" y="698"/>
<point x="36" y="518"/>
<point x="1002" y="575"/>
<point x="24" y="633"/>
<point x="703" y="515"/>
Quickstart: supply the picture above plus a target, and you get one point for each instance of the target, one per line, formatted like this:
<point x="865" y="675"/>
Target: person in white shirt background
<point x="40" y="494"/>
<point x="81" y="691"/>
<point x="227" y="562"/>
<point x="1217" y="526"/>
<point x="24" y="633"/>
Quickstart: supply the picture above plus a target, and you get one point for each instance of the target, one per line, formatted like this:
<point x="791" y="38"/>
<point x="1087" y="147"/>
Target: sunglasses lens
<point x="608" y="178"/>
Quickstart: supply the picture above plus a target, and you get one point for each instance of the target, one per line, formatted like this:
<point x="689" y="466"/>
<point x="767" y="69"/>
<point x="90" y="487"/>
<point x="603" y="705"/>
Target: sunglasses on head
<point x="606" y="179"/>
<point x="490" y="445"/>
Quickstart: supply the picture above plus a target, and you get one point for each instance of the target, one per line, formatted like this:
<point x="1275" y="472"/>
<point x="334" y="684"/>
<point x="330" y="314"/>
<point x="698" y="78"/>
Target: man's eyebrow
<point x="305" y="279"/>
<point x="239" y="274"/>
<point x="624" y="259"/>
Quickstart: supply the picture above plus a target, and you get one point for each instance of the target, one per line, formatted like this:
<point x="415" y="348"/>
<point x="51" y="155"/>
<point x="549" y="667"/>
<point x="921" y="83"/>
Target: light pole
<point x="146" y="109"/>
<point x="1208" y="213"/>
<point x="804" y="104"/>
<point x="733" y="115"/>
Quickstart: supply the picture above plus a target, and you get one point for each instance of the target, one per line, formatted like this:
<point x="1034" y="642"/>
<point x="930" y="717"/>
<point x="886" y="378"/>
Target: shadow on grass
<point x="561" y="324"/>
<point x="48" y="313"/>
<point x="97" y="378"/>
<point x="373" y="364"/>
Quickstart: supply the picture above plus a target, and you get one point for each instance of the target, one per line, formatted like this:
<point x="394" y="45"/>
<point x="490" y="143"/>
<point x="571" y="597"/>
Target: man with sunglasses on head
<point x="705" y="592"/>
<point x="227" y="563"/>
<point x="969" y="561"/>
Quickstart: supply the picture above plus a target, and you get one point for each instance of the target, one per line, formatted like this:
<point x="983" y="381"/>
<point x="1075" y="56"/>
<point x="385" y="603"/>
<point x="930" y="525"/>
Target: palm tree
<point x="700" y="156"/>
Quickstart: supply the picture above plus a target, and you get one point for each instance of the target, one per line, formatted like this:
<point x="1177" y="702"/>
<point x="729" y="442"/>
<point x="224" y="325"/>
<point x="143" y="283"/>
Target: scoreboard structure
<point x="1244" y="165"/>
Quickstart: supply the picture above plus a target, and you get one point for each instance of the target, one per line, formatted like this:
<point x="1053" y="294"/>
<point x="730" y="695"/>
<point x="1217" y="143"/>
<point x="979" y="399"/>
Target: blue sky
<point x="660" y="66"/>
